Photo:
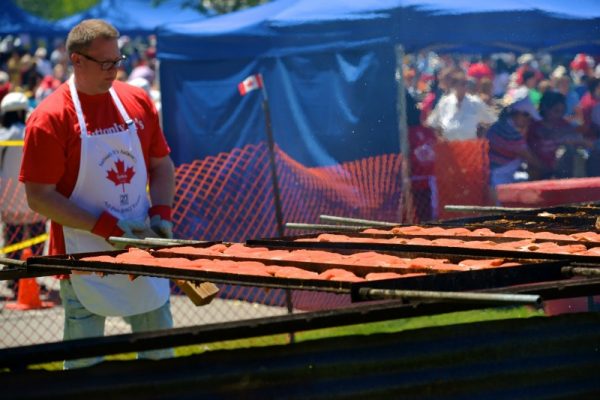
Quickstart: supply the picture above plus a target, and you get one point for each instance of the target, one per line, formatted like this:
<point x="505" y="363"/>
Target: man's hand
<point x="131" y="228"/>
<point x="160" y="221"/>
<point x="161" y="227"/>
<point x="108" y="225"/>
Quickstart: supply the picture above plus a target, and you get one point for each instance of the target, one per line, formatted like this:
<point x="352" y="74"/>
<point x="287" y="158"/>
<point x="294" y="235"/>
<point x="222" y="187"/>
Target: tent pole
<point x="275" y="181"/>
<point x="405" y="205"/>
<point x="277" y="198"/>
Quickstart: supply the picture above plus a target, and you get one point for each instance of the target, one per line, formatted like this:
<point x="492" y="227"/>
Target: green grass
<point x="397" y="325"/>
<point x="368" y="328"/>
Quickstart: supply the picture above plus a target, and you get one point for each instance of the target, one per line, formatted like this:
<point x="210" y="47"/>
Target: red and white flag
<point x="250" y="83"/>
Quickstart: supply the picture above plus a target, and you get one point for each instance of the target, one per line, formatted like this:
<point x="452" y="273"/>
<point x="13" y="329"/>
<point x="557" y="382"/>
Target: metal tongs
<point x="153" y="241"/>
<point x="341" y="224"/>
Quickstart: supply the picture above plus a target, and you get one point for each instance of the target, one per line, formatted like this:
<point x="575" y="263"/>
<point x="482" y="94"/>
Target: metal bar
<point x="23" y="356"/>
<point x="483" y="298"/>
<point x="198" y="275"/>
<point x="152" y="242"/>
<point x="179" y="241"/>
<point x="323" y="227"/>
<point x="12" y="262"/>
<point x="357" y="221"/>
<point x="478" y="209"/>
<point x="19" y="273"/>
<point x="272" y="164"/>
<point x="405" y="202"/>
<point x="581" y="271"/>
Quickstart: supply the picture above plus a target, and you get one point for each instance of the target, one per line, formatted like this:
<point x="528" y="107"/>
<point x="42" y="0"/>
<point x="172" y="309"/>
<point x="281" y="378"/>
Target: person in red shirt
<point x="91" y="149"/>
<point x="585" y="107"/>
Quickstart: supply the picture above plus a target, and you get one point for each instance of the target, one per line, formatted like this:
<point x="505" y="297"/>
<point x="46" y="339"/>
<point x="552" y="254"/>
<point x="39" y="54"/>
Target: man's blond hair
<point x="83" y="34"/>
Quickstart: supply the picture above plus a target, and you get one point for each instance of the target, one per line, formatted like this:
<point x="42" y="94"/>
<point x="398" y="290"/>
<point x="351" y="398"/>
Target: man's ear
<point x="75" y="58"/>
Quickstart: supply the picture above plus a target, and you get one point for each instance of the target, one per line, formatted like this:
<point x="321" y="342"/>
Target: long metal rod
<point x="273" y="164"/>
<point x="323" y="227"/>
<point x="580" y="271"/>
<point x="178" y="241"/>
<point x="491" y="209"/>
<point x="11" y="261"/>
<point x="357" y="221"/>
<point x="150" y="242"/>
<point x="387" y="294"/>
<point x="405" y="206"/>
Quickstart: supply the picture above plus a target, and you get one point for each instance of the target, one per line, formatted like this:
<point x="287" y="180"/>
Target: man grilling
<point x="90" y="150"/>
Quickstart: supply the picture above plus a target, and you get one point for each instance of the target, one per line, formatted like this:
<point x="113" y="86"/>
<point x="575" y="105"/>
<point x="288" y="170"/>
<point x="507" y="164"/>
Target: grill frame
<point x="531" y="270"/>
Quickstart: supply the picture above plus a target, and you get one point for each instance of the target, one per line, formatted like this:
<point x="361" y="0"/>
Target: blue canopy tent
<point x="329" y="68"/>
<point x="15" y="21"/>
<point x="135" y="17"/>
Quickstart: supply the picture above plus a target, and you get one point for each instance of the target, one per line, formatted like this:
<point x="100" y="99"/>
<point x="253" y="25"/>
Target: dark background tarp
<point x="15" y="21"/>
<point x="329" y="68"/>
<point x="134" y="17"/>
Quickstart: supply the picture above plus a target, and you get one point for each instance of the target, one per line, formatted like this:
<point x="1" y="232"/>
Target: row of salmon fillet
<point x="405" y="267"/>
<point x="485" y="232"/>
<point x="517" y="245"/>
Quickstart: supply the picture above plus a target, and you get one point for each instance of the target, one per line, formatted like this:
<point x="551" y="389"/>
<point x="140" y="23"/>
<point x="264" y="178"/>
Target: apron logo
<point x="121" y="175"/>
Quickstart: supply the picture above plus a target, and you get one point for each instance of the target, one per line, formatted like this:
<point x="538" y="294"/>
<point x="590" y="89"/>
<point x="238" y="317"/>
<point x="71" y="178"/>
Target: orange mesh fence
<point x="462" y="174"/>
<point x="230" y="196"/>
<point x="20" y="226"/>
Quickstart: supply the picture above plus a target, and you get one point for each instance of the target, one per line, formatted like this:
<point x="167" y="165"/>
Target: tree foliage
<point x="219" y="6"/>
<point x="54" y="10"/>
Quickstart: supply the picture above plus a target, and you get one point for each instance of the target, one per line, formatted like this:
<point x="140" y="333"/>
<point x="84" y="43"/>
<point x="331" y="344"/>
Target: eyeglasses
<point x="106" y="65"/>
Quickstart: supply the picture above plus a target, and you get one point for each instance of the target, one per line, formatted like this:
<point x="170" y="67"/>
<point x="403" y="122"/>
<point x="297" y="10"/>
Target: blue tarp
<point x="135" y="17"/>
<point x="329" y="67"/>
<point x="15" y="21"/>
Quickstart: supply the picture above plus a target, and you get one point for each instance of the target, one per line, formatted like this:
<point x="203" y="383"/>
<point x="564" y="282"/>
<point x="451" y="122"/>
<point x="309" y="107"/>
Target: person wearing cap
<point x="458" y="115"/>
<point x="14" y="212"/>
<point x="507" y="145"/>
<point x="13" y="110"/>
<point x="5" y="85"/>
<point x="91" y="149"/>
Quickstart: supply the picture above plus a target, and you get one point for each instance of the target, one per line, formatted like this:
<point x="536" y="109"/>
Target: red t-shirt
<point x="52" y="149"/>
<point x="586" y="105"/>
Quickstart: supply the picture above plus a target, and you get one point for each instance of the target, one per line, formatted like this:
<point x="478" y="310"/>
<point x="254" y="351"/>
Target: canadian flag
<point x="250" y="83"/>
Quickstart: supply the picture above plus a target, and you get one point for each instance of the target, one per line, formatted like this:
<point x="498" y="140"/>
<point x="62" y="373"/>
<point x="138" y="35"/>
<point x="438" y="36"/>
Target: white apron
<point x="112" y="176"/>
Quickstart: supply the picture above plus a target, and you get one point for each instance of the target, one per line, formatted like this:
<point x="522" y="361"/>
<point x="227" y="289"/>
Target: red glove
<point x="107" y="226"/>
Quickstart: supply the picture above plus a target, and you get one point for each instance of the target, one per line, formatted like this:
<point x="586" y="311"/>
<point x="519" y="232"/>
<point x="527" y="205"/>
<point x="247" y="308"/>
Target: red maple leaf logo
<point x="120" y="176"/>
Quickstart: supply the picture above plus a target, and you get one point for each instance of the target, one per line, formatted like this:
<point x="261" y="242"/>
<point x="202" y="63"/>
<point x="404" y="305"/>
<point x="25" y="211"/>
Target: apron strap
<point x="80" y="118"/>
<point x="77" y="104"/>
<point x="121" y="109"/>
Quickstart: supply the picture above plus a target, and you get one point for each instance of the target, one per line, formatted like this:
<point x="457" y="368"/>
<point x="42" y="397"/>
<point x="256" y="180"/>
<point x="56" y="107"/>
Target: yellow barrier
<point x="12" y="143"/>
<point x="24" y="244"/>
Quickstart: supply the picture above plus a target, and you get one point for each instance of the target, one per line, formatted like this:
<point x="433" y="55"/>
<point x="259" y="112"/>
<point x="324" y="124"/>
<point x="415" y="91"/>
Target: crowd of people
<point x="541" y="117"/>
<point x="38" y="71"/>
